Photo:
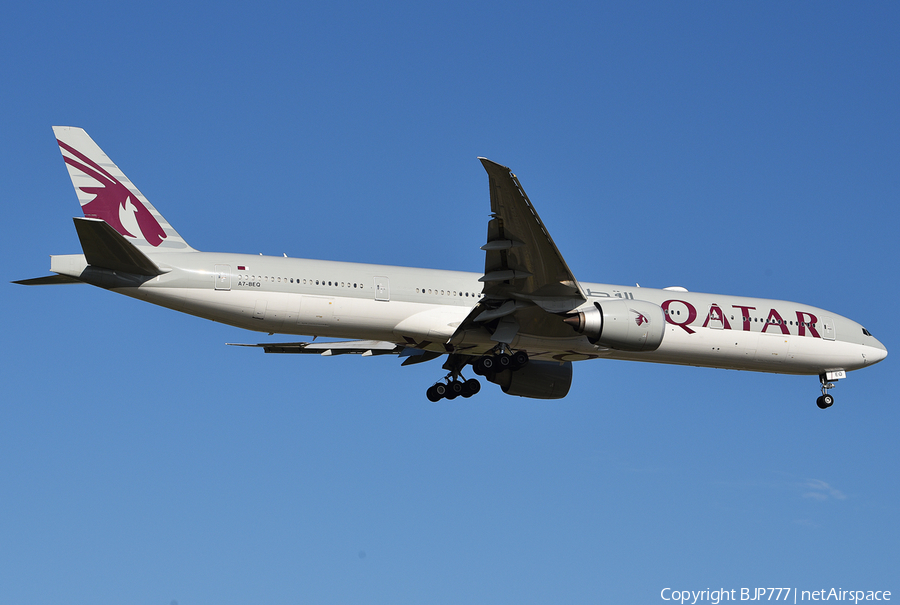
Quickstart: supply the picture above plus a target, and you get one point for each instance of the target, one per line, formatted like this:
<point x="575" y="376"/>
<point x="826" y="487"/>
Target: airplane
<point x="520" y="324"/>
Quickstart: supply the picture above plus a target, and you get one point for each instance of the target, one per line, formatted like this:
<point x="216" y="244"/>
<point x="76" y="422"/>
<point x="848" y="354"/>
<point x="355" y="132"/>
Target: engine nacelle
<point x="624" y="325"/>
<point x="537" y="379"/>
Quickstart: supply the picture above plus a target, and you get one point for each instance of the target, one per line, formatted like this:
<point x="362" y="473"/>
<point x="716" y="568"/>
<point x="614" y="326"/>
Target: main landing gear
<point x="826" y="400"/>
<point x="451" y="389"/>
<point x="489" y="364"/>
<point x="455" y="385"/>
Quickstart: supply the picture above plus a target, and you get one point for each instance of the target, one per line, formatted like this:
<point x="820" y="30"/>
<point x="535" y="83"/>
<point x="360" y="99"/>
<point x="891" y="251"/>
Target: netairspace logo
<point x="714" y="597"/>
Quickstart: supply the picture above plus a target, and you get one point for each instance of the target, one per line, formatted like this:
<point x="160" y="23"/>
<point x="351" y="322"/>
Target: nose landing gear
<point x="826" y="400"/>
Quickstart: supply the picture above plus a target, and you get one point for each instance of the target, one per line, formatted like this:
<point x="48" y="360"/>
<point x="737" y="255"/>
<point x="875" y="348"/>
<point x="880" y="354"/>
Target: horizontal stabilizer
<point x="50" y="280"/>
<point x="346" y="347"/>
<point x="106" y="248"/>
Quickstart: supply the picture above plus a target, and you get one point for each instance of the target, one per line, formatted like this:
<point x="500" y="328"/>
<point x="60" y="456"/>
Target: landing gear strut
<point x="826" y="400"/>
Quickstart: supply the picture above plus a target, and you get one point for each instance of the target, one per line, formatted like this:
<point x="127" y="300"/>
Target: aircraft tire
<point x="503" y="361"/>
<point x="825" y="401"/>
<point x="432" y="394"/>
<point x="456" y="389"/>
<point x="483" y="365"/>
<point x="519" y="359"/>
<point x="472" y="386"/>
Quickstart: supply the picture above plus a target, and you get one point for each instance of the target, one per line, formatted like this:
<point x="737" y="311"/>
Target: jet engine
<point x="537" y="379"/>
<point x="624" y="325"/>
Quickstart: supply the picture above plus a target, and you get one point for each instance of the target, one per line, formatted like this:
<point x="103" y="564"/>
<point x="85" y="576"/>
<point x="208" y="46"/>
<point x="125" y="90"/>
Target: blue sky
<point x="742" y="148"/>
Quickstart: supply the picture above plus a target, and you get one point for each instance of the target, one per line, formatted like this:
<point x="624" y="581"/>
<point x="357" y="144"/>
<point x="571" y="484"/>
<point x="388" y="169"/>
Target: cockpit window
<point x="866" y="332"/>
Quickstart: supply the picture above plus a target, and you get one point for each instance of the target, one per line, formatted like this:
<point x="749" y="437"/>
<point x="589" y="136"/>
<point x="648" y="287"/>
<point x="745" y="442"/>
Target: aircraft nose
<point x="876" y="352"/>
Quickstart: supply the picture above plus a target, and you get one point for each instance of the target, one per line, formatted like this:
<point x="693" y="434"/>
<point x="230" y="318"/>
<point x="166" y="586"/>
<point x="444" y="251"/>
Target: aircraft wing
<point x="526" y="280"/>
<point x="344" y="347"/>
<point x="366" y="348"/>
<point x="521" y="261"/>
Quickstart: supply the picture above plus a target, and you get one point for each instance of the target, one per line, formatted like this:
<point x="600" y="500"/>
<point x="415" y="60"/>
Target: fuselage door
<point x="223" y="277"/>
<point x="827" y="328"/>
<point x="259" y="312"/>
<point x="382" y="289"/>
<point x="316" y="311"/>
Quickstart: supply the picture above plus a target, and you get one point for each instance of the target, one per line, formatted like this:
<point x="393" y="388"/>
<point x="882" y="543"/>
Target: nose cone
<point x="876" y="352"/>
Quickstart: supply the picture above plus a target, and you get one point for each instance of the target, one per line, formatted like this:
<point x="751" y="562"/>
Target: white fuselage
<point x="425" y="306"/>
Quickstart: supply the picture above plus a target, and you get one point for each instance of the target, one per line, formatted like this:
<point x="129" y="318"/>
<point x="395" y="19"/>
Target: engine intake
<point x="624" y="325"/>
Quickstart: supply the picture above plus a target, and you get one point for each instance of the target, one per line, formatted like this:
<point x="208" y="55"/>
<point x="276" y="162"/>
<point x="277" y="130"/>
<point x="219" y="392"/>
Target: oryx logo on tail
<point x="113" y="202"/>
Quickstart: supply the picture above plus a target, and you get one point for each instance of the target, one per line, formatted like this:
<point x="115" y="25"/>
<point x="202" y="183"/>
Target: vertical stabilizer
<point x="105" y="193"/>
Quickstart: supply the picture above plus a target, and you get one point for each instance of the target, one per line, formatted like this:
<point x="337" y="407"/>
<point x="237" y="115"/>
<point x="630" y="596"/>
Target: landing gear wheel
<point x="454" y="389"/>
<point x="483" y="365"/>
<point x="432" y="395"/>
<point x="440" y="389"/>
<point x="519" y="359"/>
<point x="472" y="386"/>
<point x="825" y="401"/>
<point x="503" y="361"/>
